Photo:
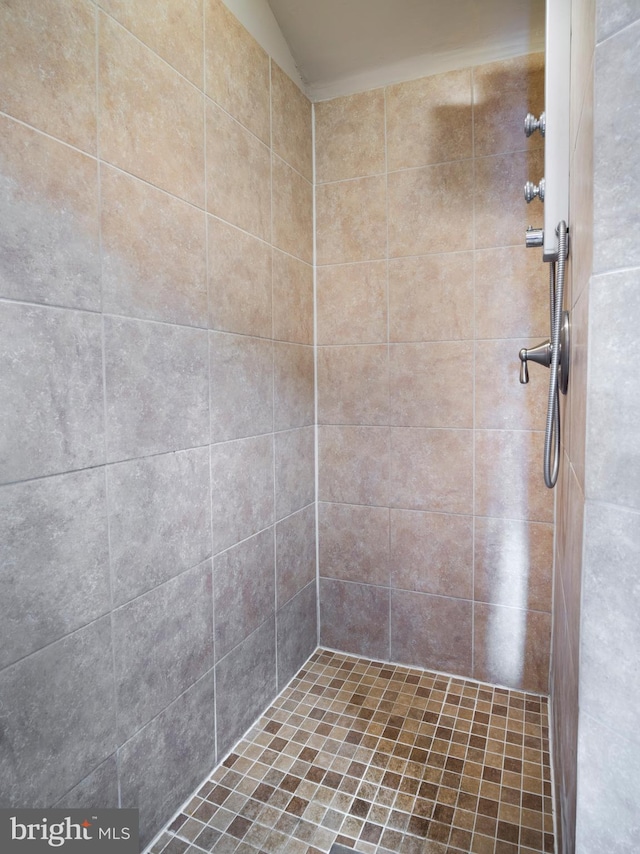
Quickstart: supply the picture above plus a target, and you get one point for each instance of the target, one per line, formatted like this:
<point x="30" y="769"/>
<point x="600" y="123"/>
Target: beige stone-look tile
<point x="431" y="385"/>
<point x="172" y="29"/>
<point x="292" y="211"/>
<point x="575" y="425"/>
<point x="351" y="303"/>
<point x="48" y="67"/>
<point x="502" y="214"/>
<point x="242" y="474"/>
<point x="294" y="470"/>
<point x="238" y="174"/>
<point x="236" y="69"/>
<point x="353" y="385"/>
<point x="430" y="209"/>
<point x="49" y="222"/>
<point x="508" y="478"/>
<point x="432" y="553"/>
<point x="241" y="382"/>
<point x="351" y="221"/>
<point x="512" y="293"/>
<point x="503" y="93"/>
<point x="431" y="470"/>
<point x="354" y="465"/>
<point x="291" y="122"/>
<point x="511" y="647"/>
<point x="502" y="402"/>
<point x="429" y="120"/>
<point x="350" y="136"/>
<point x="581" y="203"/>
<point x="513" y="563"/>
<point x="431" y="298"/>
<point x="239" y="281"/>
<point x="292" y="299"/>
<point x="293" y="386"/>
<point x="150" y="118"/>
<point x="354" y="542"/>
<point x="354" y="617"/>
<point x="434" y="631"/>
<point x="154" y="252"/>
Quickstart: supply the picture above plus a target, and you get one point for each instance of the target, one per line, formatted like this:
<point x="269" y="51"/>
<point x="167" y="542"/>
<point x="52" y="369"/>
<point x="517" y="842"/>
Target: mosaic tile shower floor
<point x="379" y="758"/>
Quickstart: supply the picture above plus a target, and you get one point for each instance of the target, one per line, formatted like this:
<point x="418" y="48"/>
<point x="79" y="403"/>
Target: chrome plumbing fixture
<point x="534" y="237"/>
<point x="554" y="354"/>
<point x="532" y="124"/>
<point x="531" y="191"/>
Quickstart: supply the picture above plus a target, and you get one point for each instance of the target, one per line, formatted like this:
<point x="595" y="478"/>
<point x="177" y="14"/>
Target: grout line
<point x="473" y="378"/>
<point x="388" y="330"/>
<point x="316" y="432"/>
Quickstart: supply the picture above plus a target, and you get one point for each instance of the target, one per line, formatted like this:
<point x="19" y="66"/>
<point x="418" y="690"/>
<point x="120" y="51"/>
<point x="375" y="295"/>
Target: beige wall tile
<point x="154" y="252"/>
<point x="503" y="93"/>
<point x="241" y="383"/>
<point x="350" y="136"/>
<point x="575" y="425"/>
<point x="431" y="384"/>
<point x="432" y="553"/>
<point x="292" y="299"/>
<point x="509" y="481"/>
<point x="294" y="470"/>
<point x="150" y="117"/>
<point x="354" y="465"/>
<point x="433" y="630"/>
<point x="173" y="29"/>
<point x="293" y="386"/>
<point x="354" y="542"/>
<point x="513" y="563"/>
<point x="431" y="298"/>
<point x="351" y="303"/>
<point x="354" y="617"/>
<point x="511" y="647"/>
<point x="431" y="470"/>
<point x="512" y="293"/>
<point x="430" y="210"/>
<point x="501" y="401"/>
<point x="239" y="281"/>
<point x="353" y="385"/>
<point x="238" y="174"/>
<point x="429" y="120"/>
<point x="292" y="211"/>
<point x="48" y="67"/>
<point x="49" y="221"/>
<point x="351" y="221"/>
<point x="503" y="216"/>
<point x="236" y="70"/>
<point x="291" y="122"/>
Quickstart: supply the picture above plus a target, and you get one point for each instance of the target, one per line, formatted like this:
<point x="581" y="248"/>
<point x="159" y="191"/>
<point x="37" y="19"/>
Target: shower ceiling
<point x="342" y="46"/>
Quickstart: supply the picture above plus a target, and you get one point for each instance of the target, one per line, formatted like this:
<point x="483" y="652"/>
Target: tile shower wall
<point x="156" y="316"/>
<point x="608" y="790"/>
<point x="435" y="528"/>
<point x="571" y="483"/>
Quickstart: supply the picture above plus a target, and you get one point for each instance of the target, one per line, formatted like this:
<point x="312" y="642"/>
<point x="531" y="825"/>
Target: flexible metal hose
<point x="556" y="297"/>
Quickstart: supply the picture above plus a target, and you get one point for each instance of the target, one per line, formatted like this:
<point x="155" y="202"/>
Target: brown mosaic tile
<point x="383" y="758"/>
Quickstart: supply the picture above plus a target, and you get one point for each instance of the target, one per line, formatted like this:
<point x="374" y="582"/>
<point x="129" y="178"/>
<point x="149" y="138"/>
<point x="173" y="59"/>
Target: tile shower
<point x="166" y="373"/>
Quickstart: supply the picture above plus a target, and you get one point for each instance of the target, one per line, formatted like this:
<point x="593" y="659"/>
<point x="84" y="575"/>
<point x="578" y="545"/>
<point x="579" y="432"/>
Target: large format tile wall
<point x="156" y="316"/>
<point x="571" y="481"/>
<point x="608" y="788"/>
<point x="435" y="528"/>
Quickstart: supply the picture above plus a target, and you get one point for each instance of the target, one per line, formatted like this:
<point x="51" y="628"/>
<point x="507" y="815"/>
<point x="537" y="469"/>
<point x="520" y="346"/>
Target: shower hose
<point x="556" y="298"/>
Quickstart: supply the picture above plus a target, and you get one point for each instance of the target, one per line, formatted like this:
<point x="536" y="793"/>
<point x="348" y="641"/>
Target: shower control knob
<point x="532" y="124"/>
<point x="531" y="191"/>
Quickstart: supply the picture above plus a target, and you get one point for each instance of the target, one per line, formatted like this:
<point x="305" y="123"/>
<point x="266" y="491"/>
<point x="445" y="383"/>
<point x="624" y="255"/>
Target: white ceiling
<point x="345" y="46"/>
